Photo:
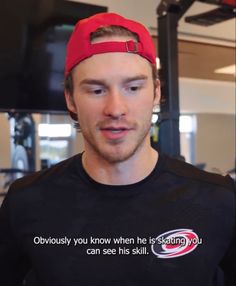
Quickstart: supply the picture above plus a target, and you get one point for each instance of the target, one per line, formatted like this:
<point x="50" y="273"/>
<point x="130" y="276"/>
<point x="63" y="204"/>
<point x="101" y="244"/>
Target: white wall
<point x="139" y="10"/>
<point x="206" y="96"/>
<point x="213" y="103"/>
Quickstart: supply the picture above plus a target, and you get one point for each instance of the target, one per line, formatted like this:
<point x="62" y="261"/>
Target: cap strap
<point x="106" y="47"/>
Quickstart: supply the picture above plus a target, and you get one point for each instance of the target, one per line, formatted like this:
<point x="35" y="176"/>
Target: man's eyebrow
<point x="134" y="78"/>
<point x="104" y="82"/>
<point x="88" y="81"/>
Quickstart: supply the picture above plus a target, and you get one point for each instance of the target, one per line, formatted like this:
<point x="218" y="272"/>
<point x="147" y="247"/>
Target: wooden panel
<point x="199" y="60"/>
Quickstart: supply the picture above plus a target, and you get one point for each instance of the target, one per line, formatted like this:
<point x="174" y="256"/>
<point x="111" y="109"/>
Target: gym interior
<point x="195" y="42"/>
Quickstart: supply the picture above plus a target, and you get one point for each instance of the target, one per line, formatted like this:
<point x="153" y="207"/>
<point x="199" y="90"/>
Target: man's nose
<point x="115" y="105"/>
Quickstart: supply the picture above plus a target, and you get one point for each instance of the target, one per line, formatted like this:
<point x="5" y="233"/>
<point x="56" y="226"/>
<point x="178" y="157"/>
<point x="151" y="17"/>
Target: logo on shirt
<point x="175" y="243"/>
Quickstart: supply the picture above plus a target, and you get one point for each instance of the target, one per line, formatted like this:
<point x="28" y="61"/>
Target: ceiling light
<point x="227" y="70"/>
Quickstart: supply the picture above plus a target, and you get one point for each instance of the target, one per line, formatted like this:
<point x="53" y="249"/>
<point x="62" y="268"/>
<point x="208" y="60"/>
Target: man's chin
<point x="116" y="151"/>
<point x="117" y="155"/>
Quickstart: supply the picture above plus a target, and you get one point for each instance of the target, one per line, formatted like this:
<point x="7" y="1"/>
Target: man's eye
<point x="96" y="91"/>
<point x="134" y="88"/>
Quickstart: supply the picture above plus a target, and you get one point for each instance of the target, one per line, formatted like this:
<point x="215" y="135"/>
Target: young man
<point x="119" y="213"/>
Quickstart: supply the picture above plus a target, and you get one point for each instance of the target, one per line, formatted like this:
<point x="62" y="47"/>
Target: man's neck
<point x="130" y="171"/>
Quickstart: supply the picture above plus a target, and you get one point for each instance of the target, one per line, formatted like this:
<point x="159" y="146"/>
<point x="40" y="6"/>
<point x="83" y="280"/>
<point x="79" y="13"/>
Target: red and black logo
<point x="175" y="243"/>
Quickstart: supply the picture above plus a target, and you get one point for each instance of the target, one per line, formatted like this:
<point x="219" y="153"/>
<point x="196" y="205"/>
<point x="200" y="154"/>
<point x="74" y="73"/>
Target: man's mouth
<point x="114" y="133"/>
<point x="115" y="130"/>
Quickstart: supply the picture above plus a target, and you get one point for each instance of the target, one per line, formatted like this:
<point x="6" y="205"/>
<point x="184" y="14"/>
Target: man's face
<point x="113" y="97"/>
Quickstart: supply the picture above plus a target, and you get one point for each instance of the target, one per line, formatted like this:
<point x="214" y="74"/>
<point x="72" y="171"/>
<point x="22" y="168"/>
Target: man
<point x="119" y="213"/>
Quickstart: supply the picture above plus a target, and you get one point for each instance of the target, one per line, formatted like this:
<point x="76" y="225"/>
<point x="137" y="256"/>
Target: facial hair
<point x="118" y="151"/>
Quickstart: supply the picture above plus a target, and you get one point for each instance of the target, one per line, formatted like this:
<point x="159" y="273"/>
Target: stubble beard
<point x="117" y="152"/>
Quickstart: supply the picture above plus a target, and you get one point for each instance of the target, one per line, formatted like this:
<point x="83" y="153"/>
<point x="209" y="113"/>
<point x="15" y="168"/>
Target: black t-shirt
<point x="175" y="227"/>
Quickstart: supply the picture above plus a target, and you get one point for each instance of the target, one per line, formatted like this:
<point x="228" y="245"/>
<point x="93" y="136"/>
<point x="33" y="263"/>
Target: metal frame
<point x="169" y="12"/>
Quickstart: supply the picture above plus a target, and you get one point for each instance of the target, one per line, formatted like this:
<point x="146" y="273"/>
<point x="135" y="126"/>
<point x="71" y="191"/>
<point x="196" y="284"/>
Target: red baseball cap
<point x="80" y="47"/>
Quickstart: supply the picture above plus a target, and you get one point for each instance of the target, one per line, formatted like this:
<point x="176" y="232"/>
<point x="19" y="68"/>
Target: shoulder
<point x="210" y="195"/>
<point x="187" y="171"/>
<point x="50" y="175"/>
<point x="36" y="193"/>
<point x="210" y="188"/>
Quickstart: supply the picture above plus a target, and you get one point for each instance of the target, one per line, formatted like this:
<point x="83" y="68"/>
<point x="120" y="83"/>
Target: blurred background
<point x="36" y="130"/>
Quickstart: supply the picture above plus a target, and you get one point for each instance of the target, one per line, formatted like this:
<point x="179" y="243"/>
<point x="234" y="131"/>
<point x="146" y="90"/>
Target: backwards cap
<point x="80" y="47"/>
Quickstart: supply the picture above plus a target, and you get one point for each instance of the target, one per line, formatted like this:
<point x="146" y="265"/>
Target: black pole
<point x="169" y="136"/>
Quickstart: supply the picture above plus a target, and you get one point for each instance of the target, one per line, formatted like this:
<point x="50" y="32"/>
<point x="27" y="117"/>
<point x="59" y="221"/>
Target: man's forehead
<point x="119" y="64"/>
<point x="112" y="68"/>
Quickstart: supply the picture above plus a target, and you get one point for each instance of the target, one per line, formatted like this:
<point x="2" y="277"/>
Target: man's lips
<point x="115" y="132"/>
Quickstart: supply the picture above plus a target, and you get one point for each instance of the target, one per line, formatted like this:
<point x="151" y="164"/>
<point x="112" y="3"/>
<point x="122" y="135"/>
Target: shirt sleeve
<point x="228" y="263"/>
<point x="13" y="262"/>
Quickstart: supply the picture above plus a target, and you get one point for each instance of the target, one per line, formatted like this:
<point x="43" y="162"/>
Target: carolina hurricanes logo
<point x="175" y="243"/>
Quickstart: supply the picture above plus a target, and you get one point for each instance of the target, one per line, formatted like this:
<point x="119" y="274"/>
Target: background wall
<point x="5" y="160"/>
<point x="215" y="141"/>
<point x="213" y="103"/>
<point x="5" y="148"/>
<point x="206" y="96"/>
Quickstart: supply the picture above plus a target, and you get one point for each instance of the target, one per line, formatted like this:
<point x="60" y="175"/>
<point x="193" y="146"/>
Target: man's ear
<point x="70" y="102"/>
<point x="71" y="105"/>
<point x="157" y="92"/>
